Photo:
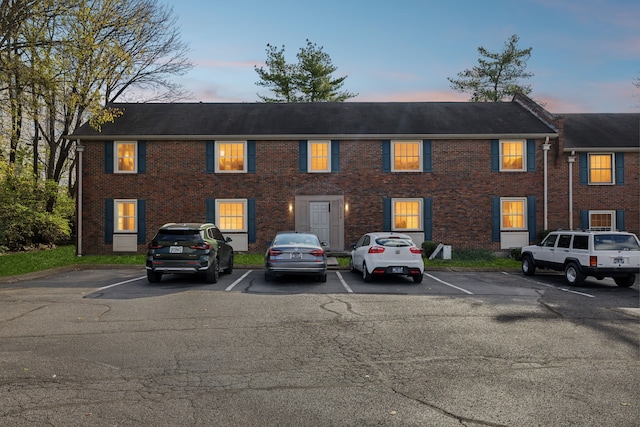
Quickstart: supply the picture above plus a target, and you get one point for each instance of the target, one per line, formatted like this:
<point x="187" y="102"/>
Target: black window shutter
<point x="142" y="221"/>
<point x="108" y="157"/>
<point x="108" y="221"/>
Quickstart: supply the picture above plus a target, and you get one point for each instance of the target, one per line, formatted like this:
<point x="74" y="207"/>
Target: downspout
<point x="571" y="160"/>
<point x="79" y="150"/>
<point x="545" y="147"/>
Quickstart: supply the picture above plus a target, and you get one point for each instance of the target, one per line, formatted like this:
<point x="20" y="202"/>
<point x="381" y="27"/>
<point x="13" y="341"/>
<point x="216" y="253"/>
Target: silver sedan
<point x="296" y="253"/>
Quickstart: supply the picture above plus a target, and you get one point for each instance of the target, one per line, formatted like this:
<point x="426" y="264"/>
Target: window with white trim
<point x="231" y="215"/>
<point x="406" y="156"/>
<point x="319" y="156"/>
<point x="513" y="213"/>
<point x="126" y="216"/>
<point x="601" y="167"/>
<point x="406" y="214"/>
<point x="513" y="155"/>
<point x="602" y="220"/>
<point x="231" y="156"/>
<point x="126" y="156"/>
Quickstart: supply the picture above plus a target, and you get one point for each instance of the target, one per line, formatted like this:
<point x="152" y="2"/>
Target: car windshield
<point x="296" y="239"/>
<point x="173" y="236"/>
<point x="393" y="242"/>
<point x="615" y="242"/>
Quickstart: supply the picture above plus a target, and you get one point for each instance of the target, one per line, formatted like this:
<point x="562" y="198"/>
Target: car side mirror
<point x="324" y="244"/>
<point x="228" y="239"/>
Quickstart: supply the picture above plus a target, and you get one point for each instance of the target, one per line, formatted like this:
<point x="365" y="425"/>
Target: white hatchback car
<point x="387" y="253"/>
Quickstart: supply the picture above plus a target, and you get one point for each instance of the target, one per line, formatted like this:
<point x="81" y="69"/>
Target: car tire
<point x="366" y="276"/>
<point x="153" y="276"/>
<point x="417" y="278"/>
<point x="322" y="277"/>
<point x="528" y="266"/>
<point x="229" y="269"/>
<point x="626" y="281"/>
<point x="212" y="273"/>
<point x="268" y="276"/>
<point x="573" y="275"/>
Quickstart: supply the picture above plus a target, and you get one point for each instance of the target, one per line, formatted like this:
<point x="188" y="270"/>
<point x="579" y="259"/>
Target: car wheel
<point x="352" y="268"/>
<point x="229" y="269"/>
<point x="153" y="276"/>
<point x="366" y="276"/>
<point x="268" y="276"/>
<point x="528" y="267"/>
<point x="417" y="278"/>
<point x="212" y="273"/>
<point x="573" y="275"/>
<point x="626" y="281"/>
<point x="322" y="277"/>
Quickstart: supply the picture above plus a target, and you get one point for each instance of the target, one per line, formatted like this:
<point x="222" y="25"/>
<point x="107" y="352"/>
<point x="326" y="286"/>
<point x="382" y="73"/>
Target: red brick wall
<point x="461" y="185"/>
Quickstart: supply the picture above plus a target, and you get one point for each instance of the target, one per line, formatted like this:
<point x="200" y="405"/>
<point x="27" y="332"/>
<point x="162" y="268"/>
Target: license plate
<point x="296" y="255"/>
<point x="397" y="269"/>
<point x="618" y="261"/>
<point x="175" y="249"/>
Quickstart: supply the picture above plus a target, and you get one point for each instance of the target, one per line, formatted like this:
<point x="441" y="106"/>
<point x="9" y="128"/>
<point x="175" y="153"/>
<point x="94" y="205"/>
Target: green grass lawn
<point x="12" y="264"/>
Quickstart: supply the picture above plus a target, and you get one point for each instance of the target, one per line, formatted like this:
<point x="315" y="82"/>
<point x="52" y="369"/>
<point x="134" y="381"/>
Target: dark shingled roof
<point x="326" y="119"/>
<point x="601" y="131"/>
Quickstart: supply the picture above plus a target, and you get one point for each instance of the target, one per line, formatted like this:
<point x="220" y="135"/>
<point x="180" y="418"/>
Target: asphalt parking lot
<point x="104" y="347"/>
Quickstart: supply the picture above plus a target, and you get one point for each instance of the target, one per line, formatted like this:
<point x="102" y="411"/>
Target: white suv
<point x="580" y="254"/>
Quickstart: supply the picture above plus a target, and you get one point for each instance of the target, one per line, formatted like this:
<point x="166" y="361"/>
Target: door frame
<point x="336" y="214"/>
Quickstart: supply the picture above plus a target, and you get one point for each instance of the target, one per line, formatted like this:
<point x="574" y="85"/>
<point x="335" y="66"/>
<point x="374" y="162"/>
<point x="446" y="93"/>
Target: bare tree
<point x="69" y="63"/>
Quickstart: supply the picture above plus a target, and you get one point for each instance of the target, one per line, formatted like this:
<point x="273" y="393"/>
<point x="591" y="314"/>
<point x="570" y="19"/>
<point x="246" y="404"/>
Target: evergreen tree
<point x="310" y="80"/>
<point x="497" y="75"/>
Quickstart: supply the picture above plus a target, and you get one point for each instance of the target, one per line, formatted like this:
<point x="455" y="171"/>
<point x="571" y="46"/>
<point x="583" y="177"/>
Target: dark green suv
<point x="189" y="248"/>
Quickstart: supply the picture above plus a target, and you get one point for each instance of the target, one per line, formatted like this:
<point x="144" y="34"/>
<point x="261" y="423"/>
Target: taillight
<point x="415" y="250"/>
<point x="152" y="246"/>
<point x="204" y="246"/>
<point x="593" y="261"/>
<point x="317" y="252"/>
<point x="376" y="249"/>
<point x="274" y="252"/>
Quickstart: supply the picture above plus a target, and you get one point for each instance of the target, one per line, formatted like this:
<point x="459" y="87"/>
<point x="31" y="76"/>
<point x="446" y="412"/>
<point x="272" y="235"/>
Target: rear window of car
<point x="396" y="242"/>
<point x="172" y="236"/>
<point x="296" y="239"/>
<point x="615" y="242"/>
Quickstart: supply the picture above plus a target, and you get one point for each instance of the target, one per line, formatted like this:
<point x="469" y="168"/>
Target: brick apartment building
<point x="472" y="175"/>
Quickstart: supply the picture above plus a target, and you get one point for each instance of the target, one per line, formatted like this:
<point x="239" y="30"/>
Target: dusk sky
<point x="585" y="58"/>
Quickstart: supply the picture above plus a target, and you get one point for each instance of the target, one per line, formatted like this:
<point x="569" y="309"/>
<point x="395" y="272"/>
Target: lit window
<point x="600" y="168"/>
<point x="406" y="156"/>
<point x="231" y="215"/>
<point x="512" y="155"/>
<point x="126" y="156"/>
<point x="407" y="214"/>
<point x="601" y="220"/>
<point x="125" y="213"/>
<point x="231" y="157"/>
<point x="319" y="156"/>
<point x="512" y="214"/>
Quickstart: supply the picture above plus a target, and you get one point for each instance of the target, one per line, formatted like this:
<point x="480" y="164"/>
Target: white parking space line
<point x="122" y="283"/>
<point x="343" y="282"/>
<point x="566" y="290"/>
<point x="449" y="284"/>
<point x="231" y="286"/>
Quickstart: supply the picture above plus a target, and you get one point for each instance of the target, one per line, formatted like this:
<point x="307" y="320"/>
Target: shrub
<point x="428" y="247"/>
<point x="515" y="253"/>
<point x="24" y="218"/>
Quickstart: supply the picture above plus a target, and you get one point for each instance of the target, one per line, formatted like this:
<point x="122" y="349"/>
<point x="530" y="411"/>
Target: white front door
<point x="320" y="221"/>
